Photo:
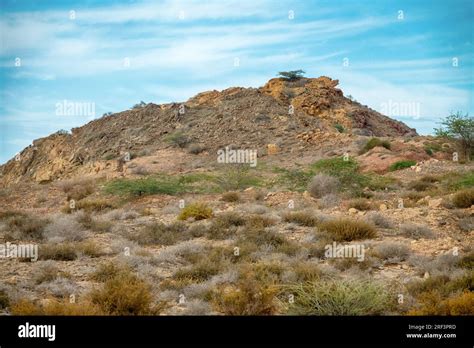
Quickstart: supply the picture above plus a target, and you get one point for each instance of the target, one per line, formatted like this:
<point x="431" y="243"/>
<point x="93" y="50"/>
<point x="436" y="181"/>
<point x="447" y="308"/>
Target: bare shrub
<point x="416" y="231"/>
<point x="466" y="224"/>
<point x="329" y="201"/>
<point x="379" y="220"/>
<point x="323" y="184"/>
<point x="392" y="252"/>
<point x="64" y="228"/>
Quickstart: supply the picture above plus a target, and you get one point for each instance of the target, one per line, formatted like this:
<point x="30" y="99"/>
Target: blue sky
<point x="415" y="54"/>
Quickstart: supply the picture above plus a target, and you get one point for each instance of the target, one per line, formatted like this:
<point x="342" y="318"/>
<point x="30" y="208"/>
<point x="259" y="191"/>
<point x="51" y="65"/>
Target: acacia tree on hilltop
<point x="292" y="75"/>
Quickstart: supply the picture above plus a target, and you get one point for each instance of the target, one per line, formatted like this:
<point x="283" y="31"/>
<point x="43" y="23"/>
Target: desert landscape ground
<point x="343" y="211"/>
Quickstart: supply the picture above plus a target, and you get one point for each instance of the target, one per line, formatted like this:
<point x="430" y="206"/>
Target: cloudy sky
<point x="410" y="59"/>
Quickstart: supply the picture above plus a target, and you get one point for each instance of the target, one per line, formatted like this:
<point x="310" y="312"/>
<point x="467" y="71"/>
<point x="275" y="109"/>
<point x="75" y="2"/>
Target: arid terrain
<point x="344" y="212"/>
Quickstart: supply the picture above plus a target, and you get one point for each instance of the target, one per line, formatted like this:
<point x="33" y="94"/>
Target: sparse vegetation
<point x="340" y="297"/>
<point x="416" y="231"/>
<point x="178" y="139"/>
<point x="464" y="198"/>
<point x="247" y="297"/>
<point x="322" y="185"/>
<point x="230" y="197"/>
<point x="347" y="229"/>
<point x="304" y="218"/>
<point x="374" y="142"/>
<point x="401" y="165"/>
<point x="197" y="211"/>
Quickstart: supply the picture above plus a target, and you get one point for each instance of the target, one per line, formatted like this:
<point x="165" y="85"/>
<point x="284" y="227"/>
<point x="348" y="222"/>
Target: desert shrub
<point x="401" y="165"/>
<point x="259" y="221"/>
<point x="4" y="299"/>
<point x="54" y="307"/>
<point x="416" y="231"/>
<point x="467" y="261"/>
<point x="374" y="142"/>
<point x="93" y="224"/>
<point x="268" y="239"/>
<point x="329" y="201"/>
<point x="6" y="214"/>
<point x="90" y="205"/>
<point x="248" y="296"/>
<point x="458" y="181"/>
<point x="420" y="185"/>
<point x="323" y="184"/>
<point x="228" y="219"/>
<point x="347" y="229"/>
<point x="204" y="269"/>
<point x="466" y="224"/>
<point x="431" y="303"/>
<point x="377" y="182"/>
<point x="360" y="204"/>
<point x="198" y="211"/>
<point x="140" y="170"/>
<point x="429" y="178"/>
<point x="225" y="225"/>
<point x="293" y="179"/>
<point x="125" y="294"/>
<point x="346" y="171"/>
<point x="442" y="284"/>
<point x="340" y="297"/>
<point x="379" y="220"/>
<point x="304" y="218"/>
<point x="109" y="270"/>
<point x="45" y="272"/>
<point x="77" y="189"/>
<point x="236" y="177"/>
<point x="22" y="226"/>
<point x="392" y="252"/>
<point x="159" y="233"/>
<point x="178" y="139"/>
<point x="64" y="228"/>
<point x="230" y="197"/>
<point x="90" y="248"/>
<point x="57" y="252"/>
<point x="306" y="271"/>
<point x="146" y="186"/>
<point x="196" y="149"/>
<point x="464" y="198"/>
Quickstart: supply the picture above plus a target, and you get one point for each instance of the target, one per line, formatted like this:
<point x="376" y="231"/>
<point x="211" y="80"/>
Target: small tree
<point x="459" y="128"/>
<point x="140" y="105"/>
<point x="292" y="75"/>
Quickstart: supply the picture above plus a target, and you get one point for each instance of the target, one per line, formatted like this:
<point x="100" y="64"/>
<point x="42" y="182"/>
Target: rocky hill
<point x="305" y="114"/>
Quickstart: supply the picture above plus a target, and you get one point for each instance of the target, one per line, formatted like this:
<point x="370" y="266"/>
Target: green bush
<point x="146" y="186"/>
<point x="374" y="142"/>
<point x="339" y="127"/>
<point x="401" y="165"/>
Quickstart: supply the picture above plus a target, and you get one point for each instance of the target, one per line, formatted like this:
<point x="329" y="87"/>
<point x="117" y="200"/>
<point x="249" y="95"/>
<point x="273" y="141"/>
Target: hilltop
<point x="309" y="115"/>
